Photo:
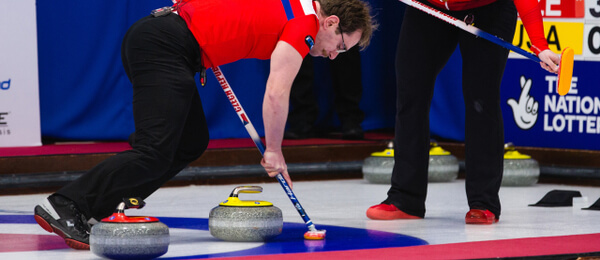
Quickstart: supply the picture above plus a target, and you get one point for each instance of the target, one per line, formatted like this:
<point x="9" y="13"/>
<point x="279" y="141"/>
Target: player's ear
<point x="332" y="20"/>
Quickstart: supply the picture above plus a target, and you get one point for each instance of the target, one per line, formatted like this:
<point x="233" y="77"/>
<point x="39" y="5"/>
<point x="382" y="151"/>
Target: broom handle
<point x="258" y="142"/>
<point x="469" y="28"/>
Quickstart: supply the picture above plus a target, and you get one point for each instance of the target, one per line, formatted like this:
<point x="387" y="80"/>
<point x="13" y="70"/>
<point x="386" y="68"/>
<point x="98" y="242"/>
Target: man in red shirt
<point x="424" y="46"/>
<point x="162" y="53"/>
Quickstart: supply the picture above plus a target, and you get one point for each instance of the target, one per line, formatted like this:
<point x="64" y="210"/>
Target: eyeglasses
<point x="344" y="48"/>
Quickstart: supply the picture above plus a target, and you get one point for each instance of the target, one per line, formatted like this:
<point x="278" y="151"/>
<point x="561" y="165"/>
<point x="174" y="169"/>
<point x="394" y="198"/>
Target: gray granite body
<point x="129" y="240"/>
<point x="443" y="168"/>
<point x="245" y="224"/>
<point x="378" y="170"/>
<point x="520" y="172"/>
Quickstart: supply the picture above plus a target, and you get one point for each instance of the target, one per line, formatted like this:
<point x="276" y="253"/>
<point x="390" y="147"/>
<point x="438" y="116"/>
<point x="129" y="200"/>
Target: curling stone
<point x="443" y="166"/>
<point x="519" y="169"/>
<point x="378" y="167"/>
<point x="245" y="221"/>
<point x="121" y="237"/>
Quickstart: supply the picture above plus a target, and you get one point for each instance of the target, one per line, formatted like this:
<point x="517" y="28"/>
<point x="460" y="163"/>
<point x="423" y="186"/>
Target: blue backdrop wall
<point x="85" y="94"/>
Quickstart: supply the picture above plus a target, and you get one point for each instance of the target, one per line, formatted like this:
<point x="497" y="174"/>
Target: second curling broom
<point x="565" y="67"/>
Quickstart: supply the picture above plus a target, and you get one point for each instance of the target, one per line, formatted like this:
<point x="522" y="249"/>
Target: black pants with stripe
<point x="425" y="45"/>
<point x="160" y="57"/>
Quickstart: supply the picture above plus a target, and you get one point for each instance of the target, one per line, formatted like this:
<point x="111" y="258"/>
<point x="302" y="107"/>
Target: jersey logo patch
<point x="309" y="41"/>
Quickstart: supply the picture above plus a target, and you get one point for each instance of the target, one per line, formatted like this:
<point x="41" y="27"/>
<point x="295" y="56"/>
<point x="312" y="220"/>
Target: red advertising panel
<point x="563" y="8"/>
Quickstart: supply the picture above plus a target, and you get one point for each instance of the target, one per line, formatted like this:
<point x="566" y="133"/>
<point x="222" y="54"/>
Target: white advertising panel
<point x="19" y="94"/>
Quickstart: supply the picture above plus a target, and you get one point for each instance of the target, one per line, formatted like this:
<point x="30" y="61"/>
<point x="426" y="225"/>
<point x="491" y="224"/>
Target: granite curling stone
<point x="245" y="221"/>
<point x="443" y="166"/>
<point x="378" y="167"/>
<point x="121" y="237"/>
<point x="519" y="169"/>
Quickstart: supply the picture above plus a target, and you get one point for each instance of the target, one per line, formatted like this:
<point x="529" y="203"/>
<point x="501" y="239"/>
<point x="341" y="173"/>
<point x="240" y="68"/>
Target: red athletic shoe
<point x="387" y="212"/>
<point x="479" y="216"/>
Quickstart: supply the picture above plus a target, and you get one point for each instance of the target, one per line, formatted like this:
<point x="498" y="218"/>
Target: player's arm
<point x="285" y="63"/>
<point x="530" y="13"/>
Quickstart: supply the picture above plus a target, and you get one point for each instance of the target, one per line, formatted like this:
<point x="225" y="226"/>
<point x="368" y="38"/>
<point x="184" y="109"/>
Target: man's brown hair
<point x="354" y="15"/>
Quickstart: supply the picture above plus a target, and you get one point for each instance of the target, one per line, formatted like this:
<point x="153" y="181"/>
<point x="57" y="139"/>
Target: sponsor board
<point x="19" y="98"/>
<point x="535" y="115"/>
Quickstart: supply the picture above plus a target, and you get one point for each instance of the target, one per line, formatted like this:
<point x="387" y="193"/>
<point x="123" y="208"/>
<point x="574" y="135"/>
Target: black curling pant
<point x="161" y="57"/>
<point x="425" y="45"/>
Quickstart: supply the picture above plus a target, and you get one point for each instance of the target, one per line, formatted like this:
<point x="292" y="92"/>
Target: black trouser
<point x="425" y="45"/>
<point x="347" y="87"/>
<point x="161" y="57"/>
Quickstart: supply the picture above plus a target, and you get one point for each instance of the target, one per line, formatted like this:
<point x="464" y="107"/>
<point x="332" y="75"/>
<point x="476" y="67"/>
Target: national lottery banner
<point x="534" y="114"/>
<point x="19" y="98"/>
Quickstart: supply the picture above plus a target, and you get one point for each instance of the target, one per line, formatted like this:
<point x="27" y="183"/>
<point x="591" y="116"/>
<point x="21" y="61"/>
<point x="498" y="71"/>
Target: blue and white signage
<point x="19" y="98"/>
<point x="535" y="115"/>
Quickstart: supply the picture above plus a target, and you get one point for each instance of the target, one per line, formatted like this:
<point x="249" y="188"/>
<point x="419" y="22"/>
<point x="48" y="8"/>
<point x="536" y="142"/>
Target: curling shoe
<point x="385" y="211"/>
<point x="480" y="216"/>
<point x="57" y="214"/>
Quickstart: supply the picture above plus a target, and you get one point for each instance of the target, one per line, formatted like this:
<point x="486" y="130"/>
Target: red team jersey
<point x="230" y="30"/>
<point x="455" y="5"/>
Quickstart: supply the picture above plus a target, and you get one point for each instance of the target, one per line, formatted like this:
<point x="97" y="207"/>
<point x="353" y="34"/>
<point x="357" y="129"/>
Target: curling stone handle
<point x="509" y="147"/>
<point x="245" y="189"/>
<point x="130" y="203"/>
<point x="120" y="208"/>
